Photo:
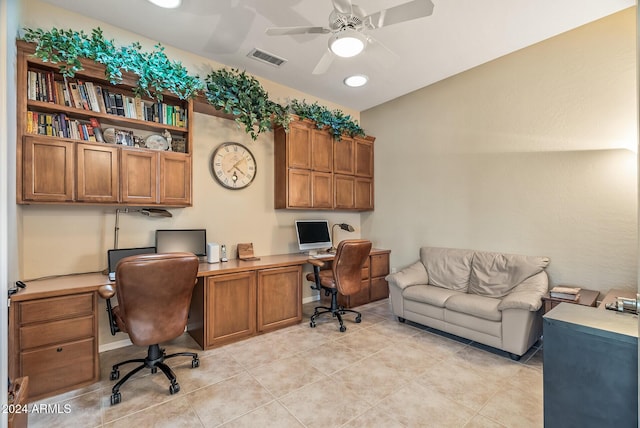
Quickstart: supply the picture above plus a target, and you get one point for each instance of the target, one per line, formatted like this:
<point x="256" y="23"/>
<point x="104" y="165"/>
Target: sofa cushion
<point x="447" y="267"/>
<point x="495" y="274"/>
<point x="435" y="296"/>
<point x="475" y="305"/>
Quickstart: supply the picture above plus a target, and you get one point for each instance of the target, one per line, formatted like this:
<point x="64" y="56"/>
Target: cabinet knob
<point x="59" y="350"/>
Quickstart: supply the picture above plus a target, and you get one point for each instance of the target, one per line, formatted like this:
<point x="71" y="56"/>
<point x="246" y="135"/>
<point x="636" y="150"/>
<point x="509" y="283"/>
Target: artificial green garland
<point x="231" y="91"/>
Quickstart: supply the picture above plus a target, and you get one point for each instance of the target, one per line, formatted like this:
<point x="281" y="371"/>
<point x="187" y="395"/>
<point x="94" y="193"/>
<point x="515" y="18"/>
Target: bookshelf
<point x="83" y="140"/>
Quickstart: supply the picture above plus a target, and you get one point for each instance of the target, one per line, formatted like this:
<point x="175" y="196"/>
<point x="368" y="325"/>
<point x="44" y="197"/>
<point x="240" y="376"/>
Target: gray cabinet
<point x="590" y="368"/>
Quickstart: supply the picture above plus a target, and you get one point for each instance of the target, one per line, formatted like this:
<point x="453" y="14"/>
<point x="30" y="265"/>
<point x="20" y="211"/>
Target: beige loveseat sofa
<point x="490" y="298"/>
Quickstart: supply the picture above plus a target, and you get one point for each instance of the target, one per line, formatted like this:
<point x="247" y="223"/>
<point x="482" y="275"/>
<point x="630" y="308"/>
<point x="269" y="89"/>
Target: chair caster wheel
<point x="115" y="398"/>
<point x="312" y="324"/>
<point x="195" y="363"/>
<point x="174" y="388"/>
<point x="358" y="319"/>
<point x="115" y="375"/>
<point x="154" y="370"/>
<point x="343" y="328"/>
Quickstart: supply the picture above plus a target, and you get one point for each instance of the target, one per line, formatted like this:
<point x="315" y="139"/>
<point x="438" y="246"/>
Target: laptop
<point x="114" y="256"/>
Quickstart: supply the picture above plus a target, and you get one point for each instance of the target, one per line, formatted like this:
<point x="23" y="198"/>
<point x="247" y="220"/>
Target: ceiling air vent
<point x="266" y="57"/>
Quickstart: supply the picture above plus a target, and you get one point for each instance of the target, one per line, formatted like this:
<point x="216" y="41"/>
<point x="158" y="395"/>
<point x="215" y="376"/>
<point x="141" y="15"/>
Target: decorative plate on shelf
<point x="156" y="142"/>
<point x="109" y="135"/>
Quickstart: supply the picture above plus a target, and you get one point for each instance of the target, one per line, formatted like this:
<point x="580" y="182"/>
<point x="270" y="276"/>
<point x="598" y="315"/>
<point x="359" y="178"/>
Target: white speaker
<point x="213" y="252"/>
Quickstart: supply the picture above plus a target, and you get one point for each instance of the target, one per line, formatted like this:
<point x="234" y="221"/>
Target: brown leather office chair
<point x="344" y="277"/>
<point x="154" y="295"/>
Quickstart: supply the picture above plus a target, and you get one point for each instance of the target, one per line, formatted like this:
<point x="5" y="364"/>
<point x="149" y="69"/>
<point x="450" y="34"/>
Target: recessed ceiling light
<point x="168" y="4"/>
<point x="347" y="43"/>
<point x="356" y="80"/>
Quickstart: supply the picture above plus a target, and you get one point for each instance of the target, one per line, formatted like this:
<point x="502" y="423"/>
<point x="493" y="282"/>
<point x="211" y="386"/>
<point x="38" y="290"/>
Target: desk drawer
<point x="59" y="366"/>
<point x="53" y="332"/>
<point x="56" y="308"/>
<point x="379" y="265"/>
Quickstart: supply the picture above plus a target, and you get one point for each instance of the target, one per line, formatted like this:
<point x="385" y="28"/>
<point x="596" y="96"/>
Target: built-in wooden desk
<point x="53" y="323"/>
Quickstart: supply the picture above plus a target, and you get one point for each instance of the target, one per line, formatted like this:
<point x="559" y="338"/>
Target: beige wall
<point x="525" y="154"/>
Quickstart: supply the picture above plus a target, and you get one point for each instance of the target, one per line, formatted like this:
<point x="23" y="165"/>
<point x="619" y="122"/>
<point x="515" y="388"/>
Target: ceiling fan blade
<point x="286" y="31"/>
<point x="342" y="6"/>
<point x="379" y="54"/>
<point x="401" y="13"/>
<point x="324" y="63"/>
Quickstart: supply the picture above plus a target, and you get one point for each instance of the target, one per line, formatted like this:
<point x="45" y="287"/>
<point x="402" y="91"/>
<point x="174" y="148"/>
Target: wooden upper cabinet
<point x="175" y="179"/>
<point x="321" y="151"/>
<point x="97" y="173"/>
<point x="299" y="188"/>
<point x="364" y="157"/>
<point x="299" y="147"/>
<point x="344" y="156"/>
<point x="56" y="164"/>
<point x="139" y="172"/>
<point x="48" y="170"/>
<point x="315" y="171"/>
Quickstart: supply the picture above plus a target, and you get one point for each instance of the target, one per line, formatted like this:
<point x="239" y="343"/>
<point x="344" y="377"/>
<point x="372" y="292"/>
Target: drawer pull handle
<point x="59" y="350"/>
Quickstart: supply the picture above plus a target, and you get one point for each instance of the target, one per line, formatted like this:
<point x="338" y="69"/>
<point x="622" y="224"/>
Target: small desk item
<point x="587" y="298"/>
<point x="613" y="295"/>
<point x="245" y="252"/>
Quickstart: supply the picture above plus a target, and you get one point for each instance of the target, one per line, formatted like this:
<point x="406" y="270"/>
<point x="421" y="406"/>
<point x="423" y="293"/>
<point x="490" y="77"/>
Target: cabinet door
<point x="48" y="170"/>
<point x="299" y="146"/>
<point x="231" y="307"/>
<point x="299" y="188"/>
<point x="363" y="193"/>
<point x="364" y="158"/>
<point x="344" y="188"/>
<point x="321" y="150"/>
<point x="175" y="179"/>
<point x="139" y="176"/>
<point x="379" y="289"/>
<point x="344" y="156"/>
<point x="97" y="173"/>
<point x="279" y="297"/>
<point x="322" y="189"/>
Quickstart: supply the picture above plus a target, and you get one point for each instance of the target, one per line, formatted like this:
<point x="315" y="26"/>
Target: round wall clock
<point x="233" y="165"/>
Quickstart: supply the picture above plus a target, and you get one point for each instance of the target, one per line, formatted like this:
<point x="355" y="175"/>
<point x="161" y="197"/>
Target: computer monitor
<point x="313" y="234"/>
<point x="182" y="240"/>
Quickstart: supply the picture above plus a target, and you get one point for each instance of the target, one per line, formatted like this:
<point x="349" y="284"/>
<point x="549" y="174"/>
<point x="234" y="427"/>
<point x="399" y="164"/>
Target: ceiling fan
<point x="347" y="25"/>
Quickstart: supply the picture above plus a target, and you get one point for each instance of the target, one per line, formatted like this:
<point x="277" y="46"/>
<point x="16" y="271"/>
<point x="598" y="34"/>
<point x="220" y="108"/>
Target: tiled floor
<point x="379" y="373"/>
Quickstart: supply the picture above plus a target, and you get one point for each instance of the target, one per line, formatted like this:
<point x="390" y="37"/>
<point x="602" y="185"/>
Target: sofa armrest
<point x="411" y="275"/>
<point x="528" y="294"/>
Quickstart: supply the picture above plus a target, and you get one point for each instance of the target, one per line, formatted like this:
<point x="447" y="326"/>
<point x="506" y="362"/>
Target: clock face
<point x="233" y="165"/>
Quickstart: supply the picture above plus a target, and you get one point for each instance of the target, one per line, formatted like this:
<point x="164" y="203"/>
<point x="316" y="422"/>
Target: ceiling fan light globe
<point x="347" y="43"/>
<point x="167" y="4"/>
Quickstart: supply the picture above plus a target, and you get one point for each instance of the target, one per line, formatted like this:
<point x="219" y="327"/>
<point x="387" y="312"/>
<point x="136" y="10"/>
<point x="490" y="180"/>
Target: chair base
<point x="335" y="310"/>
<point x="154" y="361"/>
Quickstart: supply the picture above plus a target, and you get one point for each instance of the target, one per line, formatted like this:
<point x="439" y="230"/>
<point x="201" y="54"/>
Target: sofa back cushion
<point x="495" y="274"/>
<point x="447" y="267"/>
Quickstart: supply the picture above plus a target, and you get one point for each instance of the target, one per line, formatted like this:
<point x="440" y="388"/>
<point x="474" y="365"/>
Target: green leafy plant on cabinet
<point x="229" y="90"/>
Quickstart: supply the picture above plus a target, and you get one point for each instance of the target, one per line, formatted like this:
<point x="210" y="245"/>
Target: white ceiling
<point x="460" y="34"/>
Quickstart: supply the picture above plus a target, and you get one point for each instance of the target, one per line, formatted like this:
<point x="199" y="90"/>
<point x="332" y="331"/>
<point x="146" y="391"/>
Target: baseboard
<point x="311" y="299"/>
<point x="114" y="345"/>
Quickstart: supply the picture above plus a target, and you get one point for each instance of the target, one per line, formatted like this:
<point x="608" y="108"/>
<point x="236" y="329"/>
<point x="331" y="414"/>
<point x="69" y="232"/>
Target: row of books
<point x="59" y="125"/>
<point x="42" y="86"/>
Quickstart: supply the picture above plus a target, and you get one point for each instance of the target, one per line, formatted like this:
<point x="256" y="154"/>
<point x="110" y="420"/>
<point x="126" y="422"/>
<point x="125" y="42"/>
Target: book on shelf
<point x="97" y="131"/>
<point x="75" y="94"/>
<point x="119" y="103"/>
<point x="93" y="99"/>
<point x="566" y="293"/>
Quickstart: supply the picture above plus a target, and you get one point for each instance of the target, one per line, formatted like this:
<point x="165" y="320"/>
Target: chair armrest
<point x="528" y="294"/>
<point x="414" y="274"/>
<point x="316" y="262"/>
<point x="106" y="291"/>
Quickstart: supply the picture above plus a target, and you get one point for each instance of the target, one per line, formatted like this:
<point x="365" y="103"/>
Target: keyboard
<point x="322" y="256"/>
